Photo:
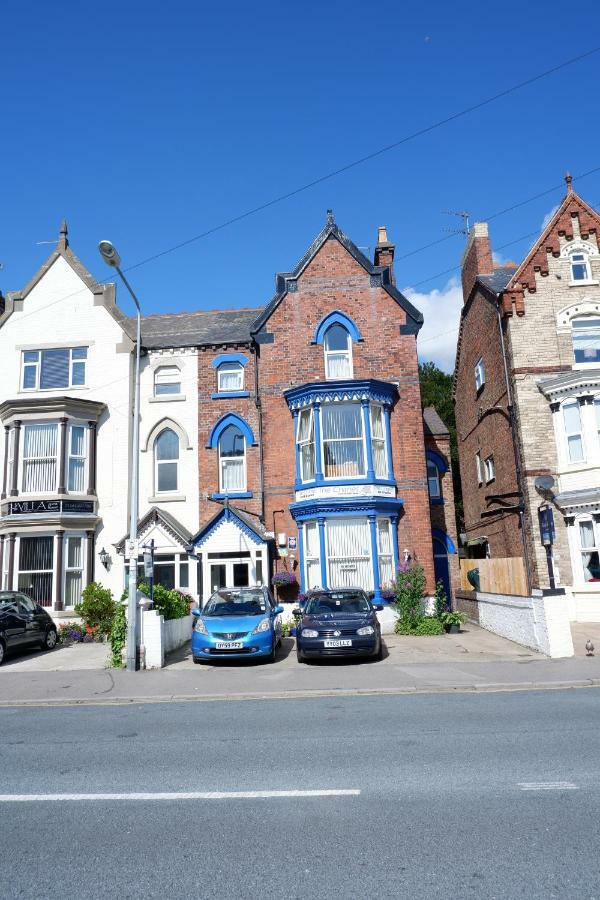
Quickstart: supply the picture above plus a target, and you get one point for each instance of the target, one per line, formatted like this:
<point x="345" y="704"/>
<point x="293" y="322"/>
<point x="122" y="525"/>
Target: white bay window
<point x="385" y="552"/>
<point x="40" y="452"/>
<point x="312" y="555"/>
<point x="378" y="441"/>
<point x="306" y="444"/>
<point x="36" y="568"/>
<point x="590" y="558"/>
<point x="343" y="440"/>
<point x="76" y="460"/>
<point x="73" y="570"/>
<point x="572" y="425"/>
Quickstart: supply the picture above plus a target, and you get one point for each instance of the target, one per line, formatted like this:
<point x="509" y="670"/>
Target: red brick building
<point x="311" y="434"/>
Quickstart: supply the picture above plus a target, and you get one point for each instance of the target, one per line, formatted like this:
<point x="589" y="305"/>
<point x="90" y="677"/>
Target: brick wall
<point x="442" y="514"/>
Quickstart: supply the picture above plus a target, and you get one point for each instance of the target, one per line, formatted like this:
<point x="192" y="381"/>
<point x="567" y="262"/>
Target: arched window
<point x="232" y="460"/>
<point x="167" y="380"/>
<point x="166" y="462"/>
<point x="230" y="377"/>
<point x="580" y="266"/>
<point x="586" y="339"/>
<point x="338" y="353"/>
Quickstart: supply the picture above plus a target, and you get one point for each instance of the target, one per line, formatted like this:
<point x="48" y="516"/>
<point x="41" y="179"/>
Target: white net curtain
<point x="343" y="443"/>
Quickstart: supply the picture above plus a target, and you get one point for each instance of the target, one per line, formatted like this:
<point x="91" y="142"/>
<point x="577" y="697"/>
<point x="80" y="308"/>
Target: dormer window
<point x="580" y="267"/>
<point x="338" y="353"/>
<point x="586" y="339"/>
<point x="230" y="377"/>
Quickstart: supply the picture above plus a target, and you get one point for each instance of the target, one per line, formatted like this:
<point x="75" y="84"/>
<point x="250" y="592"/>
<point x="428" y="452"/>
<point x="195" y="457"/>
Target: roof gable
<point x="247" y="523"/>
<point x="285" y="282"/>
<point x="104" y="294"/>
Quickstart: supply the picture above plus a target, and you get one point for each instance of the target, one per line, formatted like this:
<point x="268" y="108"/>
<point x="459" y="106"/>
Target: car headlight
<point x="309" y="632"/>
<point x="263" y="625"/>
<point x="199" y="626"/>
<point x="368" y="629"/>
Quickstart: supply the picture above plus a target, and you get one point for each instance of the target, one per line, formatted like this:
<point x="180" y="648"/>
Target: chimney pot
<point x="477" y="257"/>
<point x="384" y="252"/>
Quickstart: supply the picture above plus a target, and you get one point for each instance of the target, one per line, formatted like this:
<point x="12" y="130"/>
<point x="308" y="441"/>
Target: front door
<point x="229" y="572"/>
<point x="440" y="565"/>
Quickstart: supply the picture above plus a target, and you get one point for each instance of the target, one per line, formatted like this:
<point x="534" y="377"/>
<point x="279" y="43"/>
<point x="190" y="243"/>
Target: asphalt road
<point x="493" y="796"/>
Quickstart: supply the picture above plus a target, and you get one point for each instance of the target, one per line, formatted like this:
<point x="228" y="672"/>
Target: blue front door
<point x="440" y="566"/>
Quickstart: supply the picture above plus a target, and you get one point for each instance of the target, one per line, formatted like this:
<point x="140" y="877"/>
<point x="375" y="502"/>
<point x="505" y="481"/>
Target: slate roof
<point x="192" y="329"/>
<point x="499" y="278"/>
<point x="432" y="422"/>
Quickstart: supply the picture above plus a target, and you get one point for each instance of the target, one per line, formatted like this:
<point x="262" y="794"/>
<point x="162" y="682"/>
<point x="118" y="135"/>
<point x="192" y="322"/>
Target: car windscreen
<point x="337" y="602"/>
<point x="236" y="603"/>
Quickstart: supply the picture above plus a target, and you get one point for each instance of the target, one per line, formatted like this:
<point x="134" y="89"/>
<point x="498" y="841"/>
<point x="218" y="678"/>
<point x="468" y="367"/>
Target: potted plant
<point x="452" y="620"/>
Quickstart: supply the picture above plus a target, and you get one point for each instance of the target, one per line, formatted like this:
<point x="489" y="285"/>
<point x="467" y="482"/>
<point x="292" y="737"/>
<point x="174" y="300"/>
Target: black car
<point x="23" y="623"/>
<point x="340" y="622"/>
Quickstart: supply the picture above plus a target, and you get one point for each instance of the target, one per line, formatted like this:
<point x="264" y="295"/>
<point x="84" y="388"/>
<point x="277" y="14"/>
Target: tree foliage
<point x="436" y="391"/>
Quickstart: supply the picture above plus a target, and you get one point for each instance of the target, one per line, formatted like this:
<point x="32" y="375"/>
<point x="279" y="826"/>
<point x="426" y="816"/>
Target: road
<point x="461" y="795"/>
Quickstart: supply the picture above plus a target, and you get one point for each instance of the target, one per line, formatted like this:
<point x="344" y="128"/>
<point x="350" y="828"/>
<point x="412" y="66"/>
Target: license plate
<point x="331" y="644"/>
<point x="228" y="645"/>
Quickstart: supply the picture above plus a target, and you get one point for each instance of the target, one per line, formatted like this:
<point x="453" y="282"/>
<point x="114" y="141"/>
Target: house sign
<point x="39" y="507"/>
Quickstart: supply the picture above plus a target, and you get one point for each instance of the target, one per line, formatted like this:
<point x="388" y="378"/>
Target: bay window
<point x="349" y="553"/>
<point x="36" y="568"/>
<point x="306" y="444"/>
<point x="40" y="450"/>
<point x="378" y="441"/>
<point x="312" y="555"/>
<point x="73" y="570"/>
<point x="590" y="558"/>
<point x="343" y="440"/>
<point x="76" y="460"/>
<point x="572" y="424"/>
<point x="232" y="460"/>
<point x="53" y="369"/>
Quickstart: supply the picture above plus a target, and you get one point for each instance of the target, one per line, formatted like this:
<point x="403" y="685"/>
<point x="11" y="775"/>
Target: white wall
<point x="60" y="310"/>
<point x="539" y="622"/>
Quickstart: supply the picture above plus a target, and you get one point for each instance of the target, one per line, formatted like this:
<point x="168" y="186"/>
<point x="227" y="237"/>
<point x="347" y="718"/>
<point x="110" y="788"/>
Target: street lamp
<point x="112" y="258"/>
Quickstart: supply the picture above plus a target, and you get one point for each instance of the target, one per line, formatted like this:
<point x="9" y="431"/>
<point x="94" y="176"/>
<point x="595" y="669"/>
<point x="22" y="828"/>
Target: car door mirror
<point x="378" y="607"/>
<point x="278" y="610"/>
<point x="196" y="611"/>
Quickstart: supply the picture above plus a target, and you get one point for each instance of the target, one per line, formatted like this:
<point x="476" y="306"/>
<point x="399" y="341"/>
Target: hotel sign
<point x="41" y="507"/>
<point x="333" y="491"/>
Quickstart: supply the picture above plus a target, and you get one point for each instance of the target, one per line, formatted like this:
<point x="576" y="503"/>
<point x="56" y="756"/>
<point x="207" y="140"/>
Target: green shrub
<point x="441" y="601"/>
<point x="97" y="608"/>
<point x="410" y="587"/>
<point x="118" y="636"/>
<point x="426" y="626"/>
<point x="171" y="604"/>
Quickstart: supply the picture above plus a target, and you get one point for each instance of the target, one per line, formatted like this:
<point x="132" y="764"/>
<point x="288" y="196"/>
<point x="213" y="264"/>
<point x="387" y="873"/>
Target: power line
<point x="363" y="159"/>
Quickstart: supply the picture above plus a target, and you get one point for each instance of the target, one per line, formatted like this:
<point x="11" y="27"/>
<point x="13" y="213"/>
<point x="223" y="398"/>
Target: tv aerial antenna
<point x="465" y="216"/>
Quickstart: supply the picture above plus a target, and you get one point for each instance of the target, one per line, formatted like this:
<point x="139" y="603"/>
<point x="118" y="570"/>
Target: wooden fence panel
<point x="504" y="575"/>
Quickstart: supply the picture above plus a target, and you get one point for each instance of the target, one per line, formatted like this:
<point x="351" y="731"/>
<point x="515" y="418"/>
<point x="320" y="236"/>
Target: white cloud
<point x="441" y="311"/>
<point x="548" y="216"/>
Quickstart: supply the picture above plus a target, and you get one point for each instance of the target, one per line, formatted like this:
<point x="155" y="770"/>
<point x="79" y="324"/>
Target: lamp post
<point x="112" y="258"/>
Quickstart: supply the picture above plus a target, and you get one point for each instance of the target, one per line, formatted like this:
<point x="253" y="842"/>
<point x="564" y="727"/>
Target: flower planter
<point x="454" y="628"/>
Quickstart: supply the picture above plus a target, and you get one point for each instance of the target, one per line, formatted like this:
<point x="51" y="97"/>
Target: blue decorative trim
<point x="335" y="391"/>
<point x="388" y="442"/>
<point x="230" y="419"/>
<point x="367" y="426"/>
<point x="336" y="318"/>
<point x="318" y="455"/>
<point x="301" y="556"/>
<point x="437" y="501"/>
<point x="229" y="357"/>
<point x="374" y="557"/>
<point x="438" y="460"/>
<point x="353" y="507"/>
<point x="229" y="395"/>
<point x="233" y="495"/>
<point x="322" y="551"/>
<point x="305" y="485"/>
<point x="444" y="539"/>
<point x="225" y="515"/>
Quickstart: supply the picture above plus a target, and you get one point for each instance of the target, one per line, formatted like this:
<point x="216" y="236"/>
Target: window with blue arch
<point x="436" y="467"/>
<point x="231" y="436"/>
<point x="336" y="332"/>
<point x="230" y="375"/>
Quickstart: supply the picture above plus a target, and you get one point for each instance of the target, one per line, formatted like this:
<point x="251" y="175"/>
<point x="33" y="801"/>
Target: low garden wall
<point x="539" y="622"/>
<point x="160" y="636"/>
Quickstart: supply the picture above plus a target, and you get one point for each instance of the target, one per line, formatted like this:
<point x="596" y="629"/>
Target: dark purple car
<point x="338" y="622"/>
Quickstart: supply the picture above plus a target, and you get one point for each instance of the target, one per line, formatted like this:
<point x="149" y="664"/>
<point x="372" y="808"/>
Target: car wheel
<point x="50" y="639"/>
<point x="271" y="657"/>
<point x="300" y="656"/>
<point x="2" y="651"/>
<point x="379" y="654"/>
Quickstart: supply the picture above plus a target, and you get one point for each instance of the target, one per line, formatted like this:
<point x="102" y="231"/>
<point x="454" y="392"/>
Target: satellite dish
<point x="544" y="484"/>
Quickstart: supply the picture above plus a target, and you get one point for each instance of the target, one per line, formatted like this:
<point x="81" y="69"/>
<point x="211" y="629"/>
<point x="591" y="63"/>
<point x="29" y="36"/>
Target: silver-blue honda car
<point x="237" y="622"/>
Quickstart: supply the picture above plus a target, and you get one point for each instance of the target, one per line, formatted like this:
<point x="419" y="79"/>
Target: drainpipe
<point x="516" y="451"/>
<point x="261" y="464"/>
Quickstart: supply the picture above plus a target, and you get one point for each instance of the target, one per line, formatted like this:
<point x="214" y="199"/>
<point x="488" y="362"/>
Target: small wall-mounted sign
<point x="27" y="507"/>
<point x="292" y="543"/>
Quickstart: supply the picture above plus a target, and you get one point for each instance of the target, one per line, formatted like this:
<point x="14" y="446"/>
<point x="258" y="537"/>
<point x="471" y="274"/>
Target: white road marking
<point x="188" y="795"/>
<point x="548" y="786"/>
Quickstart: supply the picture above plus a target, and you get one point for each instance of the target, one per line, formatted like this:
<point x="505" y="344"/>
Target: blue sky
<point x="149" y="123"/>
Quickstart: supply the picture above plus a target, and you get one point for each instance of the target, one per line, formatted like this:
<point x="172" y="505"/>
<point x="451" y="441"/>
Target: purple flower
<point x="281" y="578"/>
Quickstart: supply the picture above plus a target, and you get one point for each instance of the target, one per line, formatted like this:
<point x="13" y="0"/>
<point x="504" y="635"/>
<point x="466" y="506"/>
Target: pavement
<point x="474" y="660"/>
<point x="428" y="796"/>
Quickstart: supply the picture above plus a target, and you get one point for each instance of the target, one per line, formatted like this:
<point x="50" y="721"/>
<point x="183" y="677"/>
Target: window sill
<point x="490" y="480"/>
<point x="233" y="495"/>
<point x="166" y="398"/>
<point x="582" y="283"/>
<point x="167" y="498"/>
<point x="229" y="395"/>
<point x="73" y="387"/>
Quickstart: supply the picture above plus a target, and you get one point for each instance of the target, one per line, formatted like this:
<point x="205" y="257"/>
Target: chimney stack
<point x="384" y="252"/>
<point x="477" y="258"/>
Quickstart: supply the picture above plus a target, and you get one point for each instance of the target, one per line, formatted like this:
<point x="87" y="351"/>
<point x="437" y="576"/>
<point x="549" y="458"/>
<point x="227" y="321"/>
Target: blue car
<point x="338" y="622"/>
<point x="237" y="622"/>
